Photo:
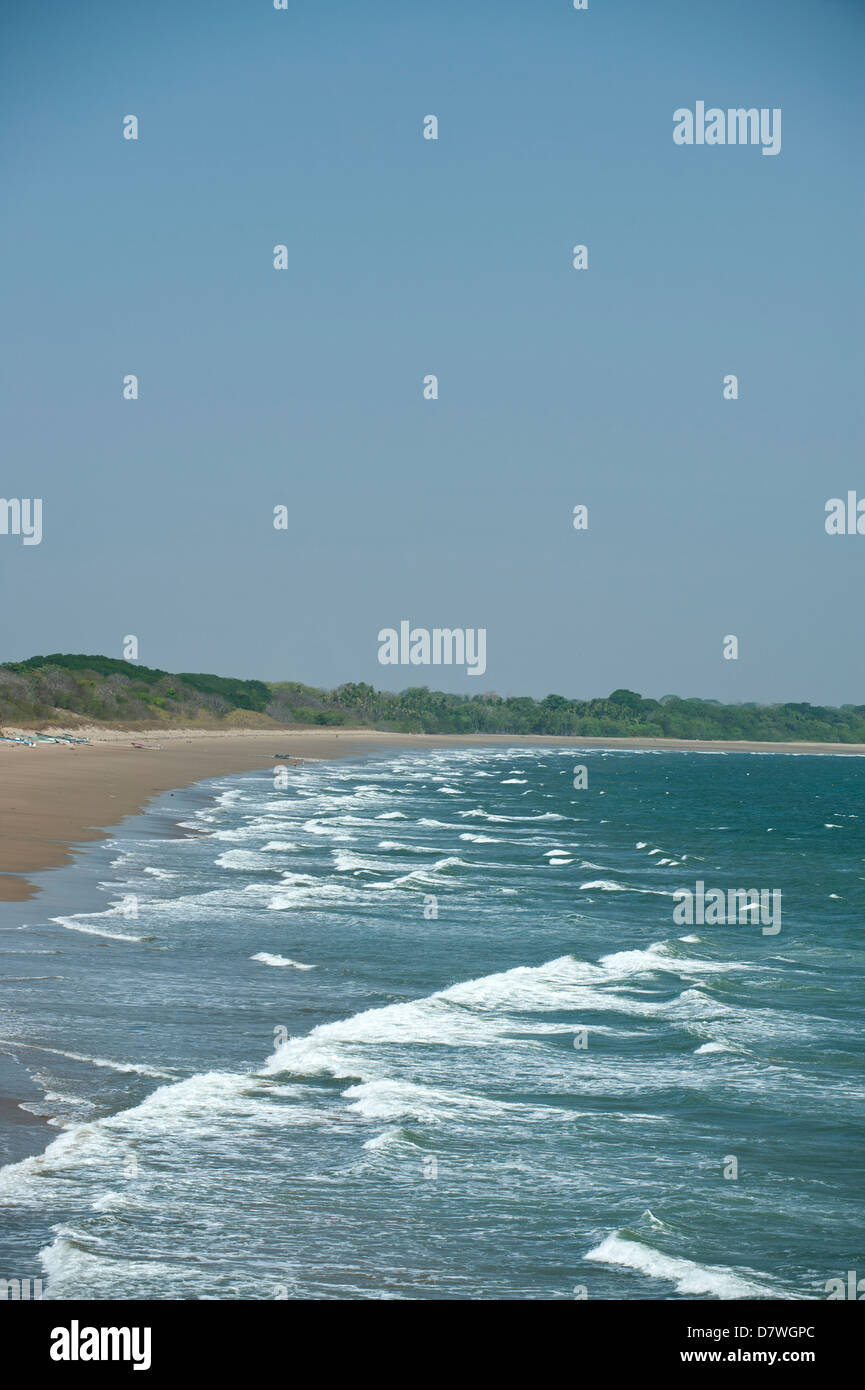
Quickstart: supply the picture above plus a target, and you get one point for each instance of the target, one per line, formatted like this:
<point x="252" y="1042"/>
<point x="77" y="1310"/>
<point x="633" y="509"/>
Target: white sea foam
<point x="388" y="1098"/>
<point x="229" y="798"/>
<point x="385" y="1140"/>
<point x="267" y="959"/>
<point x="687" y="1276"/>
<point x="30" y="951"/>
<point x="138" y="1067"/>
<point x="77" y="922"/>
<point x="321" y="894"/>
<point x="201" y="1107"/>
<point x="70" y="1266"/>
<point x="659" y="956"/>
<point x="243" y="859"/>
<point x="333" y="832"/>
<point x="68" y="1100"/>
<point x="609" y="885"/>
<point x="346" y="861"/>
<point x="114" y="1201"/>
<point x="423" y="875"/>
<point x="653" y="1220"/>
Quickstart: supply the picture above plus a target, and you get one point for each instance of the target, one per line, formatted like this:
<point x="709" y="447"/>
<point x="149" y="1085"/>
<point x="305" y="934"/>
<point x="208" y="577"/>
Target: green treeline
<point x="113" y="691"/>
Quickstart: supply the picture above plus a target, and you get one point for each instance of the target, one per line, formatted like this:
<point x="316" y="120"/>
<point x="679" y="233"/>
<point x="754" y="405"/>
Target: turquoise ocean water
<point x="423" y="1026"/>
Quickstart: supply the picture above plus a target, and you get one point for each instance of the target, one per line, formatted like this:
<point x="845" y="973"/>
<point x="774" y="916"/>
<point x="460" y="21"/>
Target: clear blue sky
<point x="453" y="257"/>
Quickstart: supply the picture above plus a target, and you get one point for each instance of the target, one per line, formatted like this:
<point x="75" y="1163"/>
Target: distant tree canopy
<point x="114" y="691"/>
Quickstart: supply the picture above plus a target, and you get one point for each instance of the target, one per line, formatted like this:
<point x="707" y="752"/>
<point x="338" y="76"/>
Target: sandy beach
<point x="54" y="797"/>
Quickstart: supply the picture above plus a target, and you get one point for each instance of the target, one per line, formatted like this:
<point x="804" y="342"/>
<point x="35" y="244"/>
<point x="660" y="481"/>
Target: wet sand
<point x="22" y="1131"/>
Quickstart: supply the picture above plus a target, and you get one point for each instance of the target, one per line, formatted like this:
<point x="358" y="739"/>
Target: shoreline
<point x="28" y="1125"/>
<point x="55" y="798"/>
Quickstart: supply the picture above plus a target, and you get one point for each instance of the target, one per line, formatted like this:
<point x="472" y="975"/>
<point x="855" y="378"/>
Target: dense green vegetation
<point x="113" y="691"/>
<point x="100" y="687"/>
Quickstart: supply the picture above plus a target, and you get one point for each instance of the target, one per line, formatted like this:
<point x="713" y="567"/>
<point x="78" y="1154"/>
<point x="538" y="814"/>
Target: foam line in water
<point x="687" y="1276"/>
